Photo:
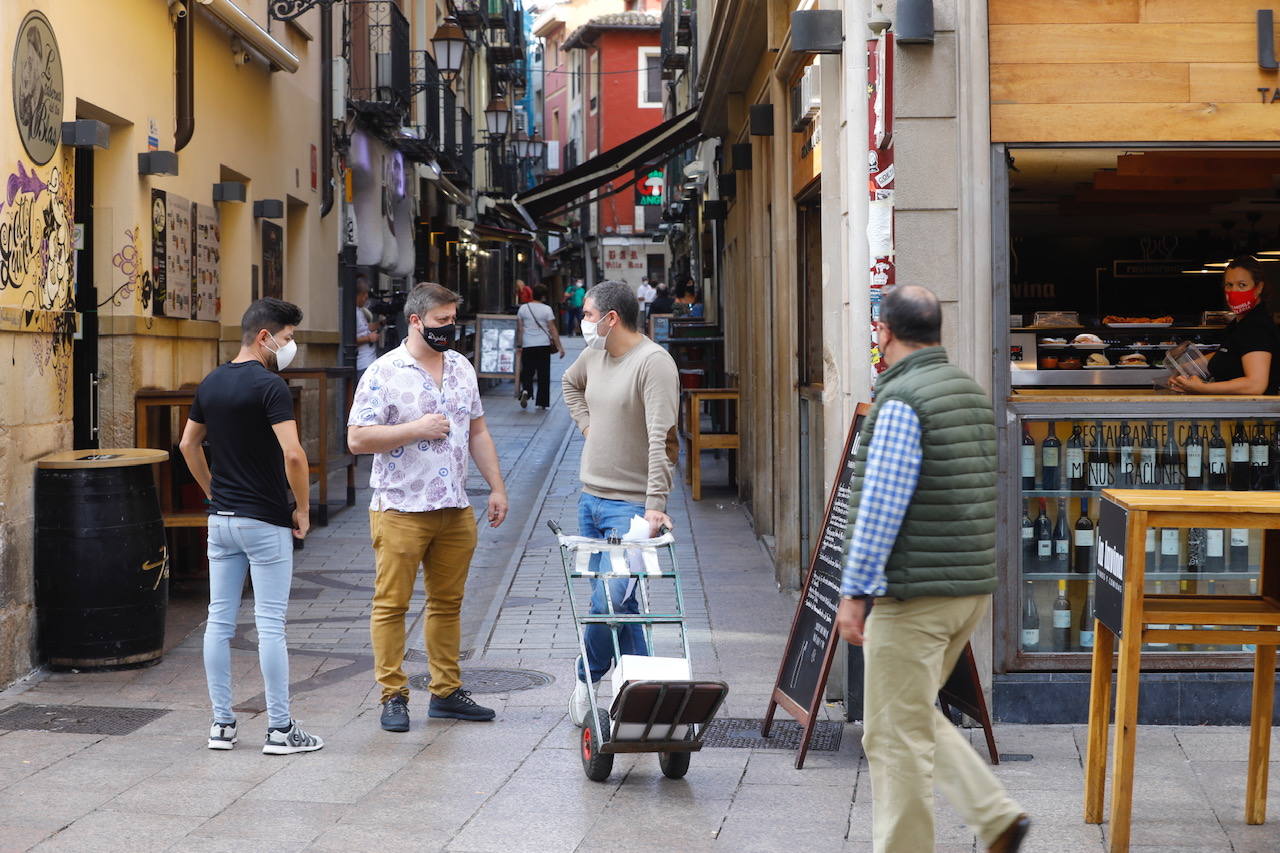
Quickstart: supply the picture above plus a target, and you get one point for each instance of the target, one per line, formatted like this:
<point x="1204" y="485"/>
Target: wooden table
<point x="699" y="440"/>
<point x="323" y="464"/>
<point x="1140" y="611"/>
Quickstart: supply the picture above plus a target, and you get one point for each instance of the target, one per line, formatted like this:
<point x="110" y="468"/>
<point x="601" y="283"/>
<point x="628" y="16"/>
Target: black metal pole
<point x="326" y="110"/>
<point x="347" y="304"/>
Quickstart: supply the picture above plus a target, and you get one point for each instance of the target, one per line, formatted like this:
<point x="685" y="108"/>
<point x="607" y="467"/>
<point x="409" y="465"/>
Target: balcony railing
<point x="506" y="32"/>
<point x="470" y="13"/>
<point x="376" y="48"/>
<point x="674" y="55"/>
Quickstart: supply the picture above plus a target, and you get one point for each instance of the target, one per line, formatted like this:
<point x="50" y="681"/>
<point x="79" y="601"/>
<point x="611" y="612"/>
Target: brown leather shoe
<point x="1010" y="840"/>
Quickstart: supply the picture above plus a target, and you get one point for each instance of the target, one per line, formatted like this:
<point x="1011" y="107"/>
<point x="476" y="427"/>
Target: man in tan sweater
<point x="624" y="394"/>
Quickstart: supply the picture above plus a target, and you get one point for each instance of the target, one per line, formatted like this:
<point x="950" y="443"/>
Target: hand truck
<point x="665" y="716"/>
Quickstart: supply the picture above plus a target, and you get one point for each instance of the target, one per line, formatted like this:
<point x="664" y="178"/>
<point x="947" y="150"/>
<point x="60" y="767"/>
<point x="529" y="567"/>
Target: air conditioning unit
<point x="339" y="88"/>
<point x="382" y="64"/>
<point x="806" y="99"/>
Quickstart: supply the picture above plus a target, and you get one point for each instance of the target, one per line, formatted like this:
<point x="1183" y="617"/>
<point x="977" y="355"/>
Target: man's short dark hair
<point x="913" y="314"/>
<point x="427" y="296"/>
<point x="268" y="313"/>
<point x="618" y="297"/>
<point x="362" y="284"/>
<point x="540" y="292"/>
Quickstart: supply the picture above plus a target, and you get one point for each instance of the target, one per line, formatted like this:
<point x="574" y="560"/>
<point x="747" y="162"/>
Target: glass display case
<point x="1059" y="464"/>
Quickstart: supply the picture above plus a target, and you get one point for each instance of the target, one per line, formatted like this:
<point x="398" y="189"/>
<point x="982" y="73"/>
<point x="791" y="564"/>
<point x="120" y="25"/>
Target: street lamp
<point x="449" y="45"/>
<point x="497" y="117"/>
<point x="522" y="146"/>
<point x="536" y="147"/>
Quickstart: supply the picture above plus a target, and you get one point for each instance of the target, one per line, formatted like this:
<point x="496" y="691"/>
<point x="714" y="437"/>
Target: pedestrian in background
<point x="623" y="392"/>
<point x="536" y="337"/>
<point x="418" y="411"/>
<point x="574" y="295"/>
<point x="662" y="301"/>
<point x="645" y="296"/>
<point x="245" y="412"/>
<point x="923" y="545"/>
<point x="524" y="293"/>
<point x="367" y="329"/>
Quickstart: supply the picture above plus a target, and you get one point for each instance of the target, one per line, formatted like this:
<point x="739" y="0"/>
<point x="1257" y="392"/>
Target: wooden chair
<point x="698" y="440"/>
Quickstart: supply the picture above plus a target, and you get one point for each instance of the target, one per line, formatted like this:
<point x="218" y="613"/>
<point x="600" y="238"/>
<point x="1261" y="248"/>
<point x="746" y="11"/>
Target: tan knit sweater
<point x="630" y="405"/>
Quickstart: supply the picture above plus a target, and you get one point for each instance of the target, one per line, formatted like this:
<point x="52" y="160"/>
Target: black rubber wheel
<point x="675" y="764"/>
<point x="596" y="764"/>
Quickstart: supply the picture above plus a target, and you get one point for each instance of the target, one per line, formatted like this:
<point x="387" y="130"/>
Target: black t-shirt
<point x="661" y="305"/>
<point x="1253" y="332"/>
<point x="238" y="403"/>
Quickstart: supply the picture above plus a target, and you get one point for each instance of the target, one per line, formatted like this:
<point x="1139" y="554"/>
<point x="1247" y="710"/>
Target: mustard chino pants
<point x="442" y="541"/>
<point x="910" y="648"/>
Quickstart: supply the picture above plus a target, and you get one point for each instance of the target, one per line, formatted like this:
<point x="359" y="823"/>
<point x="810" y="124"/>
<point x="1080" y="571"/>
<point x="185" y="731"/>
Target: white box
<point x="646" y="668"/>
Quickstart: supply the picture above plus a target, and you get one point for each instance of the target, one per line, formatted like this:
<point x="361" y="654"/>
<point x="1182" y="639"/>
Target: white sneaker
<point x="580" y="702"/>
<point x="291" y="740"/>
<point x="222" y="735"/>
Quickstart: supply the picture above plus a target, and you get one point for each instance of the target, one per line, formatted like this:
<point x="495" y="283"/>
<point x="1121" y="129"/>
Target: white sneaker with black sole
<point x="580" y="702"/>
<point x="222" y="735"/>
<point x="290" y="740"/>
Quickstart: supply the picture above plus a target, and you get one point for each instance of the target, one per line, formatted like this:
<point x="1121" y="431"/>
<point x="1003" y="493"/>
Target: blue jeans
<point x="599" y="518"/>
<point x="236" y="546"/>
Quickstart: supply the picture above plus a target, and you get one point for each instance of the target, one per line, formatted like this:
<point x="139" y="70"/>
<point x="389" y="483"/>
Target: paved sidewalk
<point x="516" y="784"/>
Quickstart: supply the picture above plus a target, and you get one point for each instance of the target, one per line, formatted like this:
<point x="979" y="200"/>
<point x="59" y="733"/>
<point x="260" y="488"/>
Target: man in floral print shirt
<point x="418" y="411"/>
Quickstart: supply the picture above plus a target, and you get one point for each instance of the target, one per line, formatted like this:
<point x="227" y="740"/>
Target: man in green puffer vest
<point x="923" y="544"/>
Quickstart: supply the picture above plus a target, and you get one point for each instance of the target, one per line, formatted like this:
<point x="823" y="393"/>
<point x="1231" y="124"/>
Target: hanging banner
<point x="880" y="177"/>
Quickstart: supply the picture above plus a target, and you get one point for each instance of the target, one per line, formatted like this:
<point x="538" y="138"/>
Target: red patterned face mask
<point x="1242" y="301"/>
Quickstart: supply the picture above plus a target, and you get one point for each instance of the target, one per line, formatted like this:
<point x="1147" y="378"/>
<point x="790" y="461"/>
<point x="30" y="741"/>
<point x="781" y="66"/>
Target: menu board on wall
<point x="272" y="260"/>
<point x="177" y="302"/>
<point x="159" y="250"/>
<point x="208" y="249"/>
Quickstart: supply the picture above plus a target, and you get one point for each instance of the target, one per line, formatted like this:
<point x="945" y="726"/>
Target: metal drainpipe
<point x="184" y="81"/>
<point x="326" y="111"/>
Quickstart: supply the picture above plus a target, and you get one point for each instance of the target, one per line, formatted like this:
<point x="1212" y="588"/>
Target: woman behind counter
<point x="1248" y="361"/>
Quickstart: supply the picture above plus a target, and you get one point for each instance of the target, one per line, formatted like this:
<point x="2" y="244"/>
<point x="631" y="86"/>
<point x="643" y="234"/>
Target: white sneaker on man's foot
<point x="222" y="735"/>
<point x="290" y="740"/>
<point x="580" y="702"/>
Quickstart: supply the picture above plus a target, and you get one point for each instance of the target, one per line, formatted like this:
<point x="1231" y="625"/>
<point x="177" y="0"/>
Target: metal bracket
<point x="287" y="10"/>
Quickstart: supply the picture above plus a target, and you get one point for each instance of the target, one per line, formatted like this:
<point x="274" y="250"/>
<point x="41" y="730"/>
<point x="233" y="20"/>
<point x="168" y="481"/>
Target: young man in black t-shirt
<point x="244" y="411"/>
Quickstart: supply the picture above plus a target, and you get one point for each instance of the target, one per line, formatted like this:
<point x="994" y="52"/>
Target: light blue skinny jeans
<point x="600" y="518"/>
<point x="238" y="546"/>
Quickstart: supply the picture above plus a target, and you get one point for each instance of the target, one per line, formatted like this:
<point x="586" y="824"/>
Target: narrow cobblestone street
<point x="517" y="784"/>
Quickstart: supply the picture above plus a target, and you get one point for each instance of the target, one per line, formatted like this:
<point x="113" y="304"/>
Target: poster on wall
<point x="178" y="252"/>
<point x="208" y="260"/>
<point x="38" y="91"/>
<point x="159" y="251"/>
<point x="272" y="260"/>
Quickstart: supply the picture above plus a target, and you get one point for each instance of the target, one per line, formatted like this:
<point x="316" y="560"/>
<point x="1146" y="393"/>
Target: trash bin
<point x="101" y="565"/>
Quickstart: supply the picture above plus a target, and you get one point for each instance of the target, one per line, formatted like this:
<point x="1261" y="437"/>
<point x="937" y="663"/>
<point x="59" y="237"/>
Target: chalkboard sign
<point x="495" y="346"/>
<point x="1108" y="592"/>
<point x="811" y="643"/>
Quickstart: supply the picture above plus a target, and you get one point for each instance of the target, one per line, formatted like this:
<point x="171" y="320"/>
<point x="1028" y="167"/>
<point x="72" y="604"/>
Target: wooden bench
<point x="698" y="440"/>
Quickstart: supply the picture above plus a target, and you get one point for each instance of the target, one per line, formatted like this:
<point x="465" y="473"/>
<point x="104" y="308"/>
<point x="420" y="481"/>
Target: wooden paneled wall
<point x="1130" y="71"/>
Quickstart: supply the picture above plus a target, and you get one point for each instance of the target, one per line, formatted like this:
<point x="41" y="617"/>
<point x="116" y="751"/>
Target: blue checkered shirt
<point x="893" y="469"/>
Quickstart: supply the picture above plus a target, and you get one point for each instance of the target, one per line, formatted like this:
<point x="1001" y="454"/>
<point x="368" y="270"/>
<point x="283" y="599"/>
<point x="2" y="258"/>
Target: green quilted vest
<point x="946" y="545"/>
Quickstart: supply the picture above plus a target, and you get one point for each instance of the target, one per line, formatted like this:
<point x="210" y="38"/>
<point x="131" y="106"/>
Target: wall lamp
<point x="817" y="31"/>
<point x="915" y="22"/>
<point x="268" y="208"/>
<point x="230" y="191"/>
<point x="158" y="163"/>
<point x="86" y="133"/>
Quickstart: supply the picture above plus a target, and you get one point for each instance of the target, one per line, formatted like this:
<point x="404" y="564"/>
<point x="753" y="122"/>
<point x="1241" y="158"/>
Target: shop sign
<point x="37" y="88"/>
<point x="1161" y="268"/>
<point x="649" y="188"/>
<point x="1108" y="595"/>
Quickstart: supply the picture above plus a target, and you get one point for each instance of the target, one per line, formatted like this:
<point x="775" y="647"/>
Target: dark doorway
<point x="84" y="352"/>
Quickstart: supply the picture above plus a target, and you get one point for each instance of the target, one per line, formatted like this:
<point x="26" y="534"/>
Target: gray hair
<point x="618" y="297"/>
<point x="913" y="314"/>
<point x="427" y="296"/>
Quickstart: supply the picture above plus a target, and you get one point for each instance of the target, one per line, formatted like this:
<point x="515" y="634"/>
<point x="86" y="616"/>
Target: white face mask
<point x="284" y="354"/>
<point x="594" y="341"/>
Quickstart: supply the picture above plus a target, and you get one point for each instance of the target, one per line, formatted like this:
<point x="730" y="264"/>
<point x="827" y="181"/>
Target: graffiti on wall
<point x="37" y="88"/>
<point x="129" y="272"/>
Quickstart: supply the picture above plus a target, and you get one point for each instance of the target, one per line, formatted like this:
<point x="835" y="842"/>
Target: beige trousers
<point x="910" y="649"/>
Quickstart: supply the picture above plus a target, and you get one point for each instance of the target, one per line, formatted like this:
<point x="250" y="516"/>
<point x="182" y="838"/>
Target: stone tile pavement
<point x="516" y="784"/>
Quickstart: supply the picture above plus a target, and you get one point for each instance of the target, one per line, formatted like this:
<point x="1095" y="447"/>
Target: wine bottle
<point x="1099" y="461"/>
<point x="1238" y="549"/>
<point x="1170" y="462"/>
<point x="1061" y="539"/>
<point x="1195" y="549"/>
<point x="1028" y="458"/>
<point x="1044" y="539"/>
<point x="1239" y="459"/>
<point x="1217" y="460"/>
<point x="1147" y="456"/>
<point x="1170" y="542"/>
<point x="1030" y="620"/>
<point x="1160" y="627"/>
<point x="1028" y="543"/>
<point x="1215" y="559"/>
<point x="1275" y="459"/>
<point x="1128" y="471"/>
<point x="1061" y="619"/>
<point x="1259" y="460"/>
<point x="1050" y="460"/>
<point x="1193" y="454"/>
<point x="1075" y="461"/>
<point x="1150" y="562"/>
<point x="1083" y="562"/>
<point x="1086" y="622"/>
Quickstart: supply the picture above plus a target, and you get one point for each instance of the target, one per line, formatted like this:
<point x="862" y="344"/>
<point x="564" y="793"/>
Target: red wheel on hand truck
<point x="596" y="764"/>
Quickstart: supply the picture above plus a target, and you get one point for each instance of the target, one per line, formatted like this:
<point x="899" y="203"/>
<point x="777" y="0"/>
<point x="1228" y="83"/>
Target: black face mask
<point x="440" y="338"/>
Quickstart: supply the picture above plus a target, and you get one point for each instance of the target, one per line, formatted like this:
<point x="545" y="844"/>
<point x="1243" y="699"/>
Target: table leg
<point x="1126" y="738"/>
<point x="1264" y="686"/>
<point x="1095" y="765"/>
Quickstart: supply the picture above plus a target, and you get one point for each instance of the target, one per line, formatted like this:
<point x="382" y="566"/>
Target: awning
<point x="649" y="147"/>
<point x="494" y="234"/>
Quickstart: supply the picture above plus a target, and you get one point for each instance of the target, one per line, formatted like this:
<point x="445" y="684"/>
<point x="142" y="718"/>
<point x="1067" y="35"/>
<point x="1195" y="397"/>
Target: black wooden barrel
<point x="101" y="565"/>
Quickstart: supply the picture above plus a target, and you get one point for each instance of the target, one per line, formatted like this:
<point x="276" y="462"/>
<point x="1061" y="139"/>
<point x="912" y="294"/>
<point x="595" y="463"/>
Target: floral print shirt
<point x="426" y="475"/>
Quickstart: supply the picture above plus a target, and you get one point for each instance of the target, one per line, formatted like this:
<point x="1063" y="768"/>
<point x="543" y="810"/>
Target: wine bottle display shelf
<point x="1151" y="576"/>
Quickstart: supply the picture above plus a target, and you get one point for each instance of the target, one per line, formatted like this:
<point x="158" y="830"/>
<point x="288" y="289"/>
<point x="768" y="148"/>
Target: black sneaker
<point x="395" y="714"/>
<point x="459" y="705"/>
